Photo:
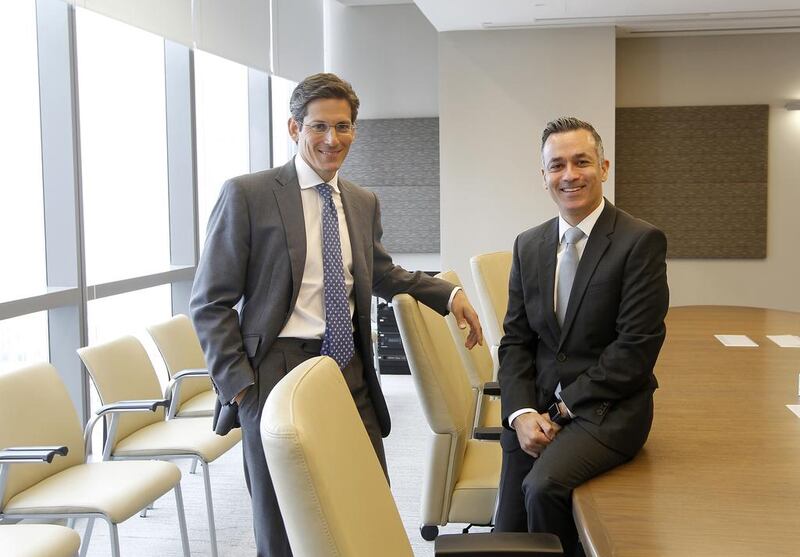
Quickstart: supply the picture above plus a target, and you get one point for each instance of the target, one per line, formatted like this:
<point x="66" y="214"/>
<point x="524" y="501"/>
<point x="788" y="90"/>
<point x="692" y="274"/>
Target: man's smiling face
<point x="324" y="152"/>
<point x="574" y="173"/>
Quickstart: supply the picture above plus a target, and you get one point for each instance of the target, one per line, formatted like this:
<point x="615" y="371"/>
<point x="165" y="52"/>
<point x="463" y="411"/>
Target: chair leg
<point x="193" y="469"/>
<point x="87" y="536"/>
<point x="181" y="519"/>
<point x="113" y="538"/>
<point x="149" y="507"/>
<point x="212" y="528"/>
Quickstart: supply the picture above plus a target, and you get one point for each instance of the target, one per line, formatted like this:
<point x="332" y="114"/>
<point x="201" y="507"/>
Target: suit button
<point x="561" y="357"/>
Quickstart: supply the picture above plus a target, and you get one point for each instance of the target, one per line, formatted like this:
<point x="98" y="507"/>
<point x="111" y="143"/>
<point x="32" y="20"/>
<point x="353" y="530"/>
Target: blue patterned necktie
<point x="566" y="271"/>
<point x="338" y="340"/>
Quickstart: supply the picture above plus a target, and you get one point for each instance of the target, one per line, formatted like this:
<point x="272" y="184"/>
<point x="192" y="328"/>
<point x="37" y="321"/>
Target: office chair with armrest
<point x="121" y="370"/>
<point x="479" y="366"/>
<point x="333" y="495"/>
<point x="491" y="271"/>
<point x="463" y="473"/>
<point x="43" y="468"/>
<point x="38" y="540"/>
<point x="192" y="391"/>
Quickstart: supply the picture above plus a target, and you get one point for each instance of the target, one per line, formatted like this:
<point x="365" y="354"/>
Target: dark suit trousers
<point x="285" y="355"/>
<point x="535" y="494"/>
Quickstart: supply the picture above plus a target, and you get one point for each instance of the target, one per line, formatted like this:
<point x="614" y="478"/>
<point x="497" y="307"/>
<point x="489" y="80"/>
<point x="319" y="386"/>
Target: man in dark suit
<point x="587" y="300"/>
<point x="300" y="249"/>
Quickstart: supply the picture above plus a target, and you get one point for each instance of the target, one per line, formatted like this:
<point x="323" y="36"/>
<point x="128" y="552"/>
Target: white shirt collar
<point x="585" y="225"/>
<point x="307" y="177"/>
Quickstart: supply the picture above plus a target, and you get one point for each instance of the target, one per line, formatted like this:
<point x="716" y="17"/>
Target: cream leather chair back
<point x="478" y="361"/>
<point x="35" y="410"/>
<point x="178" y="344"/>
<point x="334" y="498"/>
<point x="461" y="479"/>
<point x="122" y="370"/>
<point x="490" y="271"/>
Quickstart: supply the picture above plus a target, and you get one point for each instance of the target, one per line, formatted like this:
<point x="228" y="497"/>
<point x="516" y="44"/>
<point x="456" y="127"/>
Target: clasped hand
<point x="534" y="432"/>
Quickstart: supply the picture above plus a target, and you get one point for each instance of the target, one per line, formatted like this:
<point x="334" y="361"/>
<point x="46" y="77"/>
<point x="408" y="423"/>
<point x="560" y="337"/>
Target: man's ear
<point x="604" y="169"/>
<point x="294" y="129"/>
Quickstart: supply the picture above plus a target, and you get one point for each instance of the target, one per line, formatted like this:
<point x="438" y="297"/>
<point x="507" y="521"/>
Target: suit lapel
<point x="290" y="205"/>
<point x="354" y="212"/>
<point x="596" y="246"/>
<point x="548" y="247"/>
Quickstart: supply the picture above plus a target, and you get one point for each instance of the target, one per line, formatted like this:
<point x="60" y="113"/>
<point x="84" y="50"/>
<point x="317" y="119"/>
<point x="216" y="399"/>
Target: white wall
<point x="718" y="70"/>
<point x="388" y="53"/>
<point x="497" y="90"/>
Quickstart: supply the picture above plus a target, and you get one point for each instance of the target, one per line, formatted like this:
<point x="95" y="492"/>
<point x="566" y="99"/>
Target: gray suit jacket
<point x="613" y="329"/>
<point x="255" y="253"/>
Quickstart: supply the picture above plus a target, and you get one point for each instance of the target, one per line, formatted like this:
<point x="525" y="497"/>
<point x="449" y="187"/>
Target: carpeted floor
<point x="157" y="535"/>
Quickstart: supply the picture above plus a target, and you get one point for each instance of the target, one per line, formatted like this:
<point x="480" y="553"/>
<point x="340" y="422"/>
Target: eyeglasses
<point x="322" y="128"/>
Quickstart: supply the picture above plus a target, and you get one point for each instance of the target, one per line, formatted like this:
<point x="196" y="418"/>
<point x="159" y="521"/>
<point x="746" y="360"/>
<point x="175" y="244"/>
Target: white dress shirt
<point x="308" y="318"/>
<point x="586" y="226"/>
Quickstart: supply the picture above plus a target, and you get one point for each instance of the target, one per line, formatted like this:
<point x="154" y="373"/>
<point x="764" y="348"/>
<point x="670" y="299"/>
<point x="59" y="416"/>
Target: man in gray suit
<point x="300" y="248"/>
<point x="587" y="300"/>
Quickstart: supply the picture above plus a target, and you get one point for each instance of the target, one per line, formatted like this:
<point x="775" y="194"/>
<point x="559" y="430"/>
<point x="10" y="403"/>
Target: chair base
<point x="428" y="533"/>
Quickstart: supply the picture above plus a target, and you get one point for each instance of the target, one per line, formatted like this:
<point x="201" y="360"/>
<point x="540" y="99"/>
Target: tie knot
<point x="573" y="235"/>
<point x="325" y="190"/>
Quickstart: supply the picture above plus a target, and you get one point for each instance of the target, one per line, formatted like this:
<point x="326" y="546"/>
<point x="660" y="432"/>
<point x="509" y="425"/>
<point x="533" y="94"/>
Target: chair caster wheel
<point x="429" y="533"/>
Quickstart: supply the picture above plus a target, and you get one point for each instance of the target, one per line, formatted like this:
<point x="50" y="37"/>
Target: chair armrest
<point x="191" y="372"/>
<point x="119" y="407"/>
<point x="491" y="388"/>
<point x="497" y="544"/>
<point x="132" y="406"/>
<point x="31" y="454"/>
<point x="487" y="433"/>
<point x="173" y="387"/>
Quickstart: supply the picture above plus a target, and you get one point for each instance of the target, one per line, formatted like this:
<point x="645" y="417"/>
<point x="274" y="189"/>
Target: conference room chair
<point x="334" y="497"/>
<point x="479" y="366"/>
<point x="462" y="473"/>
<point x="122" y="371"/>
<point x="490" y="272"/>
<point x="44" y="473"/>
<point x="38" y="540"/>
<point x="192" y="393"/>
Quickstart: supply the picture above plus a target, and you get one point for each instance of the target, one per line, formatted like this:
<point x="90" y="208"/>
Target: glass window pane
<point x="24" y="340"/>
<point x="223" y="144"/>
<point x="21" y="204"/>
<point x="283" y="148"/>
<point x="123" y="147"/>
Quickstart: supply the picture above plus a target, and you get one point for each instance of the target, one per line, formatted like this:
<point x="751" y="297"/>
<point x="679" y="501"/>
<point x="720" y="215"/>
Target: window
<point x="123" y="148"/>
<point x="21" y="203"/>
<point x="283" y="148"/>
<point x="24" y="340"/>
<point x="223" y="148"/>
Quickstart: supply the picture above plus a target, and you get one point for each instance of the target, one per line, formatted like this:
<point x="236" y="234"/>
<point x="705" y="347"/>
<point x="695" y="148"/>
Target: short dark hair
<point x="321" y="86"/>
<point x="568" y="124"/>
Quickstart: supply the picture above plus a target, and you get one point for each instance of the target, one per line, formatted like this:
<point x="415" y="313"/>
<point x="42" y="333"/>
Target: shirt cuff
<point x="452" y="295"/>
<point x="519" y="412"/>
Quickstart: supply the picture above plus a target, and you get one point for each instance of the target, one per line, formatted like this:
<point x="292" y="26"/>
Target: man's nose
<point x="571" y="172"/>
<point x="331" y="137"/>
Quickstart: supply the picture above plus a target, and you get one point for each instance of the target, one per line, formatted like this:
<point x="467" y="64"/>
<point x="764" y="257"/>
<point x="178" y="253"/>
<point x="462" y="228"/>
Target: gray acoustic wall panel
<point x="700" y="174"/>
<point x="398" y="159"/>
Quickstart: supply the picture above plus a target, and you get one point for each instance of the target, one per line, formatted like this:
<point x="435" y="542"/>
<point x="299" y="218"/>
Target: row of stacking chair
<point x="145" y="428"/>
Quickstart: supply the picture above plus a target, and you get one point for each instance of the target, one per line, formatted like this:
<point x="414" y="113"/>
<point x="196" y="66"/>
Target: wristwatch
<point x="556" y="417"/>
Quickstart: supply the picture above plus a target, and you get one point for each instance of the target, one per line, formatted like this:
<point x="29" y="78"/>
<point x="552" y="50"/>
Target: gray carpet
<point x="157" y="535"/>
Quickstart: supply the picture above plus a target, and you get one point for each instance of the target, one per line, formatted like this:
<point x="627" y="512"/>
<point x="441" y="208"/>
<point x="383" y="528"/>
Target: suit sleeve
<point x="218" y="286"/>
<point x="626" y="365"/>
<point x="389" y="279"/>
<point x="517" y="352"/>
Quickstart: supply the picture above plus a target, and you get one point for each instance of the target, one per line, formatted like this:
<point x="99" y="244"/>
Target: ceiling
<point x="631" y="17"/>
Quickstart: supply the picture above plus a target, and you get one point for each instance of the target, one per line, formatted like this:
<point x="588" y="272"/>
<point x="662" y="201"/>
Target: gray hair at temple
<point x="322" y="86"/>
<point x="568" y="124"/>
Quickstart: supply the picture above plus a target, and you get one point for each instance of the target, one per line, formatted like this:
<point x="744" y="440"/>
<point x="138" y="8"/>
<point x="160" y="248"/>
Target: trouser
<point x="283" y="356"/>
<point x="535" y="494"/>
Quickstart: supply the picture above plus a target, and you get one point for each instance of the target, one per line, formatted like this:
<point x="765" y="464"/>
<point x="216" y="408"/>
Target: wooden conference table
<point x="720" y="473"/>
